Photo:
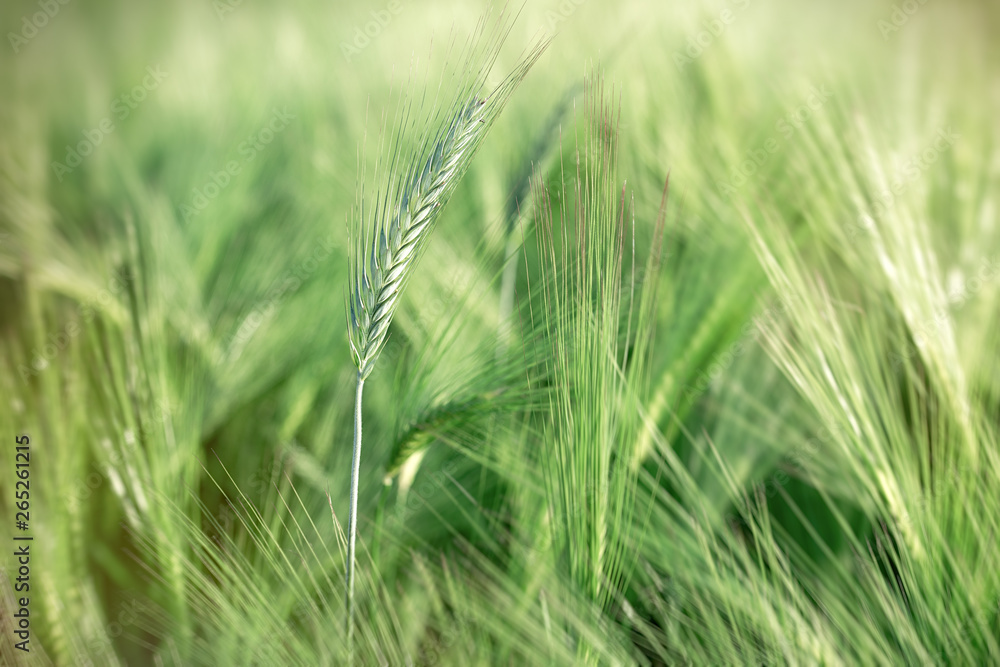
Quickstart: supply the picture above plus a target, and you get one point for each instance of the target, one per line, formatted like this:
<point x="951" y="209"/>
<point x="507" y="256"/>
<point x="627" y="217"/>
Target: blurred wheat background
<point x="700" y="365"/>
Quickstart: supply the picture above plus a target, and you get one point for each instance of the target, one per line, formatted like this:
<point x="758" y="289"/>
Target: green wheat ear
<point x="410" y="194"/>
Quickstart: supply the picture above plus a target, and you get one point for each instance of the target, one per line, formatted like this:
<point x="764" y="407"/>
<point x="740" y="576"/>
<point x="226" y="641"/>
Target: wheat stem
<point x="352" y="519"/>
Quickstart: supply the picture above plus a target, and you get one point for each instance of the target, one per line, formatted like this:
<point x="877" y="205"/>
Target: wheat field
<point x="678" y="328"/>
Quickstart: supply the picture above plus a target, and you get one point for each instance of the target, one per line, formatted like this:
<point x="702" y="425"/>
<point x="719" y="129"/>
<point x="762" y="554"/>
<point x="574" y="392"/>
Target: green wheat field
<point x="677" y="325"/>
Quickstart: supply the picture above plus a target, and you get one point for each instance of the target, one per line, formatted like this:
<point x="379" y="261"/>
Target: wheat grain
<point x="398" y="232"/>
<point x="397" y="242"/>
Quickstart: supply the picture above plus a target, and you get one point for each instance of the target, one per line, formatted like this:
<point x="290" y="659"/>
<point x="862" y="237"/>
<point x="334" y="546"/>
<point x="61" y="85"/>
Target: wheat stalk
<point x="405" y="208"/>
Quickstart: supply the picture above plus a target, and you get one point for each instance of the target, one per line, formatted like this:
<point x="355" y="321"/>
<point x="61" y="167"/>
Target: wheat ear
<point x="405" y="208"/>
